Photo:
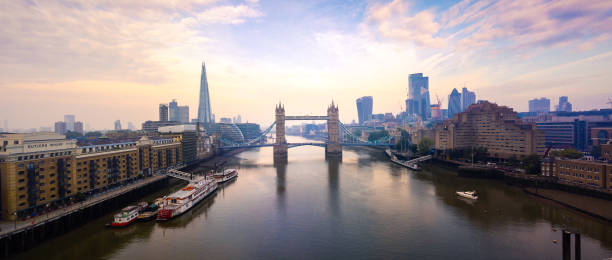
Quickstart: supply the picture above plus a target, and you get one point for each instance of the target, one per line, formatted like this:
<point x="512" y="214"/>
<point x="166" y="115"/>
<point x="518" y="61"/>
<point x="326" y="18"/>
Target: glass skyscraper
<point x="454" y="103"/>
<point x="467" y="98"/>
<point x="418" y="96"/>
<point x="364" y="108"/>
<point x="204" y="111"/>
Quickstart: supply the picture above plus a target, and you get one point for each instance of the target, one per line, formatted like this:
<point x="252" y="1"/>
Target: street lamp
<point x="15" y="213"/>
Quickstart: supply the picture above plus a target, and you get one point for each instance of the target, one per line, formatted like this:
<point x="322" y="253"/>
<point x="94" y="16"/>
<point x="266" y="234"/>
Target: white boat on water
<point x="126" y="217"/>
<point x="226" y="175"/>
<point x="181" y="201"/>
<point x="467" y="194"/>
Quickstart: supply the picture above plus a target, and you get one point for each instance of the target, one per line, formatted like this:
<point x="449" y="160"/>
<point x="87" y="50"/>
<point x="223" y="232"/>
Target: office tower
<point x="182" y="114"/>
<point x="163" y="112"/>
<point x="69" y="120"/>
<point x="467" y="98"/>
<point x="173" y="113"/>
<point x="238" y="119"/>
<point x="541" y="105"/>
<point x="213" y="118"/>
<point x="78" y="127"/>
<point x="226" y="120"/>
<point x="564" y="105"/>
<point x="454" y="103"/>
<point x="131" y="126"/>
<point x="418" y="96"/>
<point x="364" y="109"/>
<point x="60" y="127"/>
<point x="117" y="125"/>
<point x="204" y="110"/>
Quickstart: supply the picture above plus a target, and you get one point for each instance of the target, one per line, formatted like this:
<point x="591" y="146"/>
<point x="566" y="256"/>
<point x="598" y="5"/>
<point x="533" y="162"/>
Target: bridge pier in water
<point x="280" y="144"/>
<point x="333" y="147"/>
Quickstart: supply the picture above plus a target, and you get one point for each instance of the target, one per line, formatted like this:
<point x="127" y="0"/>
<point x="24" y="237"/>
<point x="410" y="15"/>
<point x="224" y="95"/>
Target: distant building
<point x="249" y="131"/>
<point x="183" y="114"/>
<point x="60" y="127"/>
<point x="541" y="105"/>
<point x="467" y="98"/>
<point x="41" y="129"/>
<point x="173" y="111"/>
<point x="204" y="110"/>
<point x="564" y="105"/>
<point x="226" y="120"/>
<point x="563" y="135"/>
<point x="131" y="126"/>
<point x="436" y="113"/>
<point x="78" y="127"/>
<point x="69" y="120"/>
<point x="237" y="119"/>
<point x="153" y="126"/>
<point x="188" y="136"/>
<point x="163" y="112"/>
<point x="364" y="109"/>
<point x="454" y="103"/>
<point x="494" y="127"/>
<point x="418" y="96"/>
<point x="117" y="125"/>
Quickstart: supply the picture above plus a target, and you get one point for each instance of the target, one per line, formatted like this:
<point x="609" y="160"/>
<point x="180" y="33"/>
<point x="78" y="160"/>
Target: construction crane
<point x="610" y="102"/>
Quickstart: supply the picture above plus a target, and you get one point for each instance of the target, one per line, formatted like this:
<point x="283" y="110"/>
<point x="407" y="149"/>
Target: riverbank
<point x="596" y="207"/>
<point x="585" y="201"/>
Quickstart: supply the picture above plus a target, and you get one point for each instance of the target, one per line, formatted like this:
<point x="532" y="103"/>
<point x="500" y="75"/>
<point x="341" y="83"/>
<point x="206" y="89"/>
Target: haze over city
<point x="105" y="60"/>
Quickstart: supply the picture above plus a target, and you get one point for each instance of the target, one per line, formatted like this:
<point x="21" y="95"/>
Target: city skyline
<point x="504" y="51"/>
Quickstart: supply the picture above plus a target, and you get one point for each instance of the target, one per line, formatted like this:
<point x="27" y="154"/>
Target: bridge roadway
<point x="290" y="145"/>
<point x="306" y="117"/>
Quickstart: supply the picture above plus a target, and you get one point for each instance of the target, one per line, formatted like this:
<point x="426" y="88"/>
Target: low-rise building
<point x="590" y="174"/>
<point x="490" y="126"/>
<point x="40" y="170"/>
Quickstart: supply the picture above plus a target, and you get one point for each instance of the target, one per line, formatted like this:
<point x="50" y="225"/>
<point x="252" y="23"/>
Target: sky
<point x="105" y="60"/>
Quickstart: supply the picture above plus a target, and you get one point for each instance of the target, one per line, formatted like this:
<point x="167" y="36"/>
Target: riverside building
<point x="40" y="170"/>
<point x="494" y="127"/>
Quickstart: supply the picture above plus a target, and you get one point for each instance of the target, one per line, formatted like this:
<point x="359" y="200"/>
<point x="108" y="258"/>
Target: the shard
<point x="204" y="113"/>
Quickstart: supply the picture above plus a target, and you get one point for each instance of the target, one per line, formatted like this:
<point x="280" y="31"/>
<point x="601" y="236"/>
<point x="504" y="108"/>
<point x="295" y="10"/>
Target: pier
<point x="17" y="236"/>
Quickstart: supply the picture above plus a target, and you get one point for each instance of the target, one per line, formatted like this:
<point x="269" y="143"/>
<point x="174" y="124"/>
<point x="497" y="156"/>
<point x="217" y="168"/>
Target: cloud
<point x="394" y="21"/>
<point x="106" y="40"/>
<point x="229" y="14"/>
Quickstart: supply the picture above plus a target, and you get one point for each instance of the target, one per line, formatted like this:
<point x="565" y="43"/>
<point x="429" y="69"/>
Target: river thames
<point x="362" y="206"/>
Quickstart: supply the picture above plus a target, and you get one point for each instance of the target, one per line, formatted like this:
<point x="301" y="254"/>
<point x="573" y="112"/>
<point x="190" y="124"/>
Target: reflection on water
<point x="357" y="206"/>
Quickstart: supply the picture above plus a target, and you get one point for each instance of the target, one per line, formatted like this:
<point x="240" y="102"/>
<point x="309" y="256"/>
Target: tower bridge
<point x="337" y="135"/>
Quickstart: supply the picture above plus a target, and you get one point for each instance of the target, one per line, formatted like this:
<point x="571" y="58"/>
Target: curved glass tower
<point x="204" y="114"/>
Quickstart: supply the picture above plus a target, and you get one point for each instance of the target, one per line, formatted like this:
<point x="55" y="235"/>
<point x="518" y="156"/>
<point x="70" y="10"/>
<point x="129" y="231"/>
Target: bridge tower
<point x="280" y="146"/>
<point x="333" y="147"/>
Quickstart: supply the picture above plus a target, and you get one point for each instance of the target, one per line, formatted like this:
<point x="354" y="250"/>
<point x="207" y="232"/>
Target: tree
<point x="94" y="134"/>
<point x="513" y="161"/>
<point x="377" y="135"/>
<point x="567" y="153"/>
<point x="532" y="164"/>
<point x="425" y="145"/>
<point x="79" y="196"/>
<point x="72" y="135"/>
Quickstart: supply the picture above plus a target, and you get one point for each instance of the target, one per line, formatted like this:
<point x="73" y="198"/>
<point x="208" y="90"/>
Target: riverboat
<point x="467" y="194"/>
<point x="126" y="217"/>
<point x="149" y="213"/>
<point x="226" y="175"/>
<point x="181" y="201"/>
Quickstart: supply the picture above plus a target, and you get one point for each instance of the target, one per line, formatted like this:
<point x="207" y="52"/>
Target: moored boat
<point x="126" y="217"/>
<point x="225" y="175"/>
<point x="468" y="194"/>
<point x="412" y="166"/>
<point x="184" y="199"/>
<point x="149" y="213"/>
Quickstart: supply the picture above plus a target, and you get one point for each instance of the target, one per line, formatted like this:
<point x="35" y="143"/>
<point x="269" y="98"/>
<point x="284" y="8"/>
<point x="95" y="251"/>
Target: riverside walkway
<point x="11" y="227"/>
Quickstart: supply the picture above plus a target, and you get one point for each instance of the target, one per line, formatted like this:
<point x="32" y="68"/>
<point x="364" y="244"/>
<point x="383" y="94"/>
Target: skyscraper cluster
<point x="364" y="108"/>
<point x="69" y="124"/>
<point x="418" y="96"/>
